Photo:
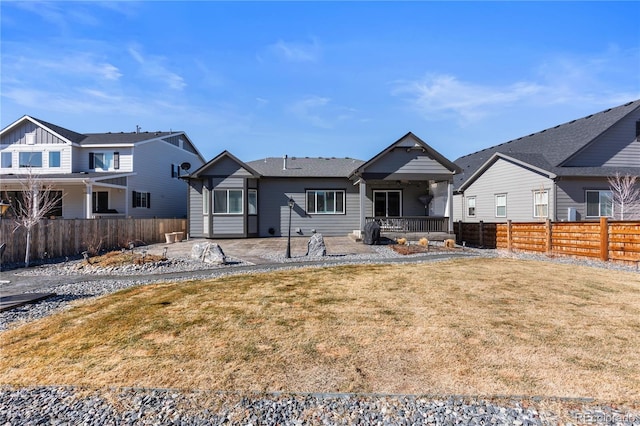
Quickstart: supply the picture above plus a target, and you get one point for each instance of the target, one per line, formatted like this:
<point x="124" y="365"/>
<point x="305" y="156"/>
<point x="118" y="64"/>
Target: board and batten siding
<point x="618" y="146"/>
<point x="273" y="209"/>
<point x="152" y="164"/>
<point x="29" y="132"/>
<point x="517" y="182"/>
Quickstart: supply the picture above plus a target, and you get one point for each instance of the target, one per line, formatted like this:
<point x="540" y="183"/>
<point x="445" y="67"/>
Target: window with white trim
<point x="205" y="200"/>
<point x="253" y="201"/>
<point x="54" y="158"/>
<point x="541" y="203"/>
<point x="30" y="159"/>
<point x="227" y="201"/>
<point x="7" y="160"/>
<point x="599" y="203"/>
<point x="471" y="206"/>
<point x="501" y="205"/>
<point x="325" y="201"/>
<point x="141" y="200"/>
<point x="104" y="161"/>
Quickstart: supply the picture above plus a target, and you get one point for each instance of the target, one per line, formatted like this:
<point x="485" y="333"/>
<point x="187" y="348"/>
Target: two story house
<point x="133" y="174"/>
<point x="559" y="173"/>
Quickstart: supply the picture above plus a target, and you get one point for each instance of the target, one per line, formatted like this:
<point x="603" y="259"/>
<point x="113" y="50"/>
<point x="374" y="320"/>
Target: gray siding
<point x="195" y="209"/>
<point x="226" y="167"/>
<point x="617" y="147"/>
<point x="228" y="225"/>
<point x="517" y="182"/>
<point x="572" y="193"/>
<point x="19" y="135"/>
<point x="152" y="162"/>
<point x="273" y="210"/>
<point x="399" y="161"/>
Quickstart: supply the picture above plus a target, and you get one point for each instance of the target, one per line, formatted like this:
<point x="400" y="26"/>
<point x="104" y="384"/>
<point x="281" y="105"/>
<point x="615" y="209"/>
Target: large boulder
<point x="208" y="253"/>
<point x="316" y="246"/>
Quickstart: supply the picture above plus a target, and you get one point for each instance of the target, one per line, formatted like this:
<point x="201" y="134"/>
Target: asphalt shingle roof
<point x="133" y="137"/>
<point x="549" y="148"/>
<point x="65" y="133"/>
<point x="305" y="167"/>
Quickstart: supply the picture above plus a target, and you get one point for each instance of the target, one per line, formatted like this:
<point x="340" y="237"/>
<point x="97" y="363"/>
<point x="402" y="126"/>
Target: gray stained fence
<point x="59" y="238"/>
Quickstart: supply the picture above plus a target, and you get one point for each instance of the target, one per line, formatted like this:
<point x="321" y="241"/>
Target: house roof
<point x="123" y="138"/>
<point x="224" y="154"/>
<point x="70" y="135"/>
<point x="305" y="166"/>
<point x="550" y="148"/>
<point x="67" y="177"/>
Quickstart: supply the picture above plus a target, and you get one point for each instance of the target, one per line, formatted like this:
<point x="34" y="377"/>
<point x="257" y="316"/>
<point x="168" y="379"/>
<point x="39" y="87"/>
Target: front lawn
<point x="470" y="326"/>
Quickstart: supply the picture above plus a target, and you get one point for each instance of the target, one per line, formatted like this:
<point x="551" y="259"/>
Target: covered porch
<point x="408" y="190"/>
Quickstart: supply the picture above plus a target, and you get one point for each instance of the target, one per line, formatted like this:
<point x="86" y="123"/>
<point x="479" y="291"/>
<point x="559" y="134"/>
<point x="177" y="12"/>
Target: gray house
<point x="133" y="174"/>
<point x="406" y="188"/>
<point x="559" y="173"/>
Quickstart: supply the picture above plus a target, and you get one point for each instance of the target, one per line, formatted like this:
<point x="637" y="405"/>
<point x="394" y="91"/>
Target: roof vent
<point x="284" y="162"/>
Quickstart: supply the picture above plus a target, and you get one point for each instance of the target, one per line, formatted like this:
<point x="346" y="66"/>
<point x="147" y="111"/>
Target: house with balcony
<point x="94" y="175"/>
<point x="407" y="188"/>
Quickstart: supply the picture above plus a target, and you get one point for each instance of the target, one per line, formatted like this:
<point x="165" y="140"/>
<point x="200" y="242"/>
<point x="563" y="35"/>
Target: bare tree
<point x="37" y="200"/>
<point x="626" y="195"/>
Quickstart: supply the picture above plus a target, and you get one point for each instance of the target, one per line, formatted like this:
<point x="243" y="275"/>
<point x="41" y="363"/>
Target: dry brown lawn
<point x="472" y="326"/>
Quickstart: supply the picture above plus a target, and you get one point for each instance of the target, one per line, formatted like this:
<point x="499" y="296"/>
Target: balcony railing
<point x="411" y="223"/>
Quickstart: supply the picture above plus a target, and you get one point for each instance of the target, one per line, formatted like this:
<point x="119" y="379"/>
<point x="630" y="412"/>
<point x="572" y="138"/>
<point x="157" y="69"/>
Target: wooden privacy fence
<point x="70" y="237"/>
<point x="605" y="240"/>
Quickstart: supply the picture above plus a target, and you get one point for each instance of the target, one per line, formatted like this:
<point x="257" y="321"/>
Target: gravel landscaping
<point x="68" y="405"/>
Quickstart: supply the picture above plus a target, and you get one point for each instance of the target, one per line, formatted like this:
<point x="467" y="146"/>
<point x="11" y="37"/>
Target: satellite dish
<point x="185" y="166"/>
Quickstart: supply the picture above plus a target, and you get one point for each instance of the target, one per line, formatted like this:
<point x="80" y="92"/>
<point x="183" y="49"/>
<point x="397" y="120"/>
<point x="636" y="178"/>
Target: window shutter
<point x="148" y="200"/>
<point x="116" y="160"/>
<point x="91" y="161"/>
<point x="133" y="198"/>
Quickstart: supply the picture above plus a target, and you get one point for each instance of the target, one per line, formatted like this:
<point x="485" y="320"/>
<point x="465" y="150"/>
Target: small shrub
<point x="423" y="242"/>
<point x="401" y="241"/>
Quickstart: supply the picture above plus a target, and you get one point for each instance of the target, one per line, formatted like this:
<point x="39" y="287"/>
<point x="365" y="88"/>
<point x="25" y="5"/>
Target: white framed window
<point x="253" y="201"/>
<point x="501" y="205"/>
<point x="471" y="206"/>
<point x="205" y="200"/>
<point x="6" y="161"/>
<point x="541" y="203"/>
<point x="104" y="161"/>
<point x="30" y="159"/>
<point x="227" y="201"/>
<point x="54" y="158"/>
<point x="325" y="201"/>
<point x="599" y="203"/>
<point x="141" y="200"/>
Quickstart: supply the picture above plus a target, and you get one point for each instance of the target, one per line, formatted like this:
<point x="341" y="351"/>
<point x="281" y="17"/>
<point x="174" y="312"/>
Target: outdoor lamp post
<point x="291" y="204"/>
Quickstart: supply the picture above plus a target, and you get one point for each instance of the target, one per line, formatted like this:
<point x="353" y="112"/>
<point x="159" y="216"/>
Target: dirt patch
<point x="120" y="258"/>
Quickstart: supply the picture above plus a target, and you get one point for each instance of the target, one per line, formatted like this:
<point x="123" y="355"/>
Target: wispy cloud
<point x="320" y="112"/>
<point x="78" y="64"/>
<point x="154" y="67"/>
<point x="559" y="80"/>
<point x="296" y="51"/>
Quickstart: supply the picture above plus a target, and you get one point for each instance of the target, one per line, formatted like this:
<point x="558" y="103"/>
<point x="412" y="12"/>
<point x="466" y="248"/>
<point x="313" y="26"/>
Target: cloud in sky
<point x="154" y="67"/>
<point x="310" y="110"/>
<point x="296" y="51"/>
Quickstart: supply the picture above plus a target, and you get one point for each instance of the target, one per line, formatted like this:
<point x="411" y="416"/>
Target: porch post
<point x="363" y="198"/>
<point x="450" y="206"/>
<point x="88" y="201"/>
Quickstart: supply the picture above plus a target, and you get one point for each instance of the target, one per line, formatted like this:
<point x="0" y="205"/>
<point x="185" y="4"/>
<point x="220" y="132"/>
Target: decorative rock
<point x="316" y="246"/>
<point x="209" y="253"/>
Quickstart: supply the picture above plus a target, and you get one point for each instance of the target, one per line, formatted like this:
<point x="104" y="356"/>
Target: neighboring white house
<point x="559" y="173"/>
<point x="99" y="174"/>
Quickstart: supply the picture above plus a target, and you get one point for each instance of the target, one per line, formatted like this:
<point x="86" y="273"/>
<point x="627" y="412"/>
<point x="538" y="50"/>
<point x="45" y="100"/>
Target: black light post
<point x="291" y="204"/>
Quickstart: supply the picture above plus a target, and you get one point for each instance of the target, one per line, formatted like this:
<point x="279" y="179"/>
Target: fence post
<point x="481" y="234"/>
<point x="509" y="235"/>
<point x="604" y="239"/>
<point x="548" y="231"/>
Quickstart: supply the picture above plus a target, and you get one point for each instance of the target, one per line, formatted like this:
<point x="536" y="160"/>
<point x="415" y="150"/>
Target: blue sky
<point x="342" y="79"/>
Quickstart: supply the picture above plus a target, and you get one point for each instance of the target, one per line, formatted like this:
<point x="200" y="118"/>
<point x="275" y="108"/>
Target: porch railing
<point x="411" y="223"/>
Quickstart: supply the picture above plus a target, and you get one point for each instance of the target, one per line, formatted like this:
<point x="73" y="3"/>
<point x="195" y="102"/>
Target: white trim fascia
<point x="111" y="145"/>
